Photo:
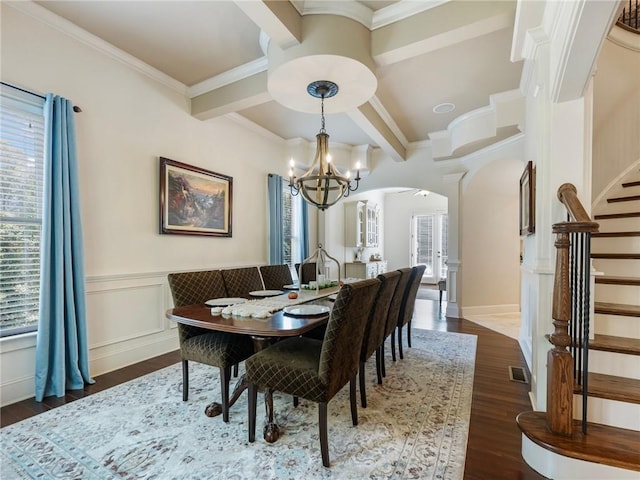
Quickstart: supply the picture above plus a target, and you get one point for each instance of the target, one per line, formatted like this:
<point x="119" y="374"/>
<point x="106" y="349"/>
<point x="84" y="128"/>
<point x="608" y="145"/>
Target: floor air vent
<point x="517" y="374"/>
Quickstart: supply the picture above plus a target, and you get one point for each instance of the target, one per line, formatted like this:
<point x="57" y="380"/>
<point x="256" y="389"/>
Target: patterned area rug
<point x="415" y="426"/>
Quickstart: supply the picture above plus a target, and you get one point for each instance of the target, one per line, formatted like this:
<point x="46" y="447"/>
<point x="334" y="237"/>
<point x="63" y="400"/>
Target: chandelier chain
<point x="322" y="130"/>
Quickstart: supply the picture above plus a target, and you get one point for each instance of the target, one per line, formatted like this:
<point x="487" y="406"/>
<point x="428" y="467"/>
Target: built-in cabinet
<point x="365" y="269"/>
<point x="362" y="224"/>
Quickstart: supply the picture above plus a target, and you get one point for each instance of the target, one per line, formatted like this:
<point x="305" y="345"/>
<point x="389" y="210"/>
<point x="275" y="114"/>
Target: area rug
<point x="415" y="426"/>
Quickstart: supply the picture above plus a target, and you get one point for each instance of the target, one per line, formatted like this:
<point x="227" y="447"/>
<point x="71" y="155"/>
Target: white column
<point x="453" y="187"/>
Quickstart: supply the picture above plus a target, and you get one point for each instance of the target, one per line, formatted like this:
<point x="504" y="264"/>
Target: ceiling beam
<point x="367" y="118"/>
<point x="245" y="93"/>
<point x="279" y="20"/>
<point x="438" y="28"/>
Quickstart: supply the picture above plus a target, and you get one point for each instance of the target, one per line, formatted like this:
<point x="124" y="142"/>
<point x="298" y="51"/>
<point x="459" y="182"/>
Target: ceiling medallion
<point x="322" y="185"/>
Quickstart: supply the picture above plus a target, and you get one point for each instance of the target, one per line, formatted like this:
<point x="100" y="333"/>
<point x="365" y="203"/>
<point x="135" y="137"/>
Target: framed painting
<point x="194" y="201"/>
<point x="527" y="200"/>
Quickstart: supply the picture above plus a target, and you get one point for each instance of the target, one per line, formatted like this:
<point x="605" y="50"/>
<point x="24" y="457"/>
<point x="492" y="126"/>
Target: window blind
<point x="21" y="184"/>
<point x="291" y="218"/>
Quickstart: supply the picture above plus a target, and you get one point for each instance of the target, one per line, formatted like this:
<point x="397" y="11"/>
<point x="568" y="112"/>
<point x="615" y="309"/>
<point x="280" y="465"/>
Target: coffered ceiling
<point x="420" y="54"/>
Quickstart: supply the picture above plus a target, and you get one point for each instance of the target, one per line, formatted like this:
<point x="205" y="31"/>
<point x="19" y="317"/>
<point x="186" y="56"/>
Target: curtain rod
<point x="75" y="107"/>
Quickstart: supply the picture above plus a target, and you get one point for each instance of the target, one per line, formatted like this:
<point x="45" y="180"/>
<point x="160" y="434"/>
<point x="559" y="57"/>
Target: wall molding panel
<point x="127" y="324"/>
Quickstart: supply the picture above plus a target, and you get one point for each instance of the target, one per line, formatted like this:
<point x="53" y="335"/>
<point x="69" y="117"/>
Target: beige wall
<point x="399" y="208"/>
<point x="616" y="114"/>
<point x="490" y="240"/>
<point x="128" y="121"/>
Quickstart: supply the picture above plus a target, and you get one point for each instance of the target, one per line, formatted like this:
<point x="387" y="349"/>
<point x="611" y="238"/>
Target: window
<point x="21" y="182"/>
<point x="292" y="227"/>
<point x="429" y="245"/>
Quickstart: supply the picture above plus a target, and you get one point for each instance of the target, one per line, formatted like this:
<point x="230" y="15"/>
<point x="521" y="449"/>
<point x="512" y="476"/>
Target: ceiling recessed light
<point x="444" y="108"/>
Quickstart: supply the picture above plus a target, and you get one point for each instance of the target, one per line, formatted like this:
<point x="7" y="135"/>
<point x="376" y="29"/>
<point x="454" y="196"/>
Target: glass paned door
<point x="429" y="245"/>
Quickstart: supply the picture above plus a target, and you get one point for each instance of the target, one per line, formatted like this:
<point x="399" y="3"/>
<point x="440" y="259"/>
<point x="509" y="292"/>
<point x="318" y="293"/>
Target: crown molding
<point x="62" y="25"/>
<point x="230" y="76"/>
<point x="401" y="10"/>
<point x="254" y="127"/>
<point x="353" y="10"/>
<point x="364" y="15"/>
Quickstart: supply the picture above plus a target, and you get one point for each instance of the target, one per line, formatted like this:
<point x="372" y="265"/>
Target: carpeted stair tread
<point x="603" y="444"/>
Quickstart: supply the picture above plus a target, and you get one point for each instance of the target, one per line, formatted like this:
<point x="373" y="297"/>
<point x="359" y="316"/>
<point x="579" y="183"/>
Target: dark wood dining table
<point x="263" y="332"/>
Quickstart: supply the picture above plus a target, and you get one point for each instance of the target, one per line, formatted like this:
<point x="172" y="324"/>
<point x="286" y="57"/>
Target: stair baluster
<point x="571" y="307"/>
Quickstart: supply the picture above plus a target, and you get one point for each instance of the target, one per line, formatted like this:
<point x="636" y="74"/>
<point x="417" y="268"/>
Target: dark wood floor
<point x="493" y="449"/>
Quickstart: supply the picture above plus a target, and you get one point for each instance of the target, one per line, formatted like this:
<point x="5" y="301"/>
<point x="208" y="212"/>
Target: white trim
<point x="625" y="38"/>
<point x="401" y="10"/>
<point x="489" y="309"/>
<point x="559" y="467"/>
<point x="230" y="76"/>
<point x="52" y="20"/>
<point x="614" y="183"/>
<point x="250" y="125"/>
<point x="388" y="120"/>
<point x="353" y="10"/>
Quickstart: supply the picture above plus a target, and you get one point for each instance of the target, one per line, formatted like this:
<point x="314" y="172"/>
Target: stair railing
<point x="570" y="313"/>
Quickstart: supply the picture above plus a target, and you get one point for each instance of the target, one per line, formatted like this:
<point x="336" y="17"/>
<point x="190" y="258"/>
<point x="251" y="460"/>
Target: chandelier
<point x="322" y="185"/>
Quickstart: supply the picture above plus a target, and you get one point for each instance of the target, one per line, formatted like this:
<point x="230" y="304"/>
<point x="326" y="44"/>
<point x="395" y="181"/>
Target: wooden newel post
<point x="559" y="359"/>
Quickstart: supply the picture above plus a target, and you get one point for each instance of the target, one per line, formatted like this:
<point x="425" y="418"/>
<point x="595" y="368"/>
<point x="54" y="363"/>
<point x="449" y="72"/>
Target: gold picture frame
<point x="194" y="201"/>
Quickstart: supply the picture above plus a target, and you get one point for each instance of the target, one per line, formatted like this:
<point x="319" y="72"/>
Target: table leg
<point x="271" y="431"/>
<point x="215" y="408"/>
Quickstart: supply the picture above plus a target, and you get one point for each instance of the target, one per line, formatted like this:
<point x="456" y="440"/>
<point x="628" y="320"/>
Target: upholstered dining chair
<point x="317" y="370"/>
<point x="392" y="317"/>
<point x="275" y="277"/>
<point x="240" y="281"/>
<point x="309" y="272"/>
<point x="218" y="349"/>
<point x="408" y="305"/>
<point x="374" y="332"/>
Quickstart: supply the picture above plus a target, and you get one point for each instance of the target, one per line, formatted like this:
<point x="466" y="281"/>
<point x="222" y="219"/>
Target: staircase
<point x="614" y="350"/>
<point x="607" y="445"/>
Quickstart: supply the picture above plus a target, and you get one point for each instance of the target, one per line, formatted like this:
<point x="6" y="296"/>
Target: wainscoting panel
<point x="127" y="324"/>
<point x="121" y="314"/>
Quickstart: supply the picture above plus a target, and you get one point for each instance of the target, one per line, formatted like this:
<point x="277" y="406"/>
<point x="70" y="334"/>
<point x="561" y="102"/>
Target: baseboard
<point x="453" y="310"/>
<point x="125" y="354"/>
<point x="133" y="352"/>
<point x="490" y="309"/>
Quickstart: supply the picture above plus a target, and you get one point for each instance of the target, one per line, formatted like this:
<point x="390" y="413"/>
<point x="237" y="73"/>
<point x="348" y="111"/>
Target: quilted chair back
<point x="374" y="333"/>
<point x="410" y="294"/>
<point x="189" y="288"/>
<point x="275" y="277"/>
<point x="340" y="355"/>
<point x="308" y="272"/>
<point x="240" y="281"/>
<point x="396" y="301"/>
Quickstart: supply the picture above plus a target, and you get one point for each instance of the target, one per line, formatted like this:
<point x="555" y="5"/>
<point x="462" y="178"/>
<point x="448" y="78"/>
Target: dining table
<point x="265" y="320"/>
